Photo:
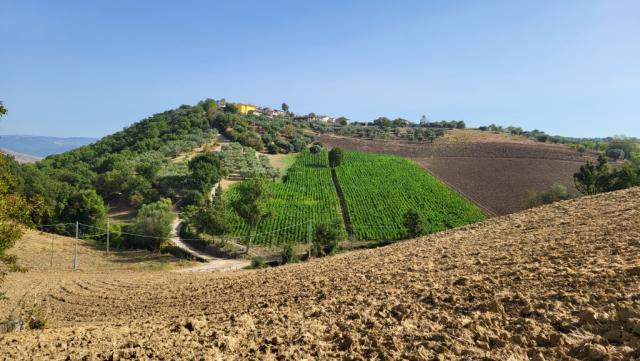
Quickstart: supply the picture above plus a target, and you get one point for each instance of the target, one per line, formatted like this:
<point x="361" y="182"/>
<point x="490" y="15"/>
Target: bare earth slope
<point x="556" y="282"/>
<point x="493" y="170"/>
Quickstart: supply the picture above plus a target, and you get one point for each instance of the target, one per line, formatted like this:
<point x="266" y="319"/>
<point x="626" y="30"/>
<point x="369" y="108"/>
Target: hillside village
<point x="250" y="109"/>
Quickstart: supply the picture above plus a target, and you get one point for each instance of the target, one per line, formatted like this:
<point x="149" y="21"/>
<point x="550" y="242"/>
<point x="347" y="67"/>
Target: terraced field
<point x="559" y="282"/>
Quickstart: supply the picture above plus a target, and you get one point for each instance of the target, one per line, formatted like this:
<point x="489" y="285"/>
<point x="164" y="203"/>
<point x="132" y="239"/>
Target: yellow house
<point x="245" y="108"/>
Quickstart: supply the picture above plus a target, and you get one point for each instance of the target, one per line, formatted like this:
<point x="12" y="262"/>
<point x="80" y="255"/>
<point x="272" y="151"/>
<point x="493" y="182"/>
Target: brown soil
<point x="495" y="171"/>
<point x="560" y="282"/>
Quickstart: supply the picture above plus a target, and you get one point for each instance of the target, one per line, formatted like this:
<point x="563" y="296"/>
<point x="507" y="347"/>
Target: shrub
<point x="413" y="223"/>
<point x="288" y="254"/>
<point x="316" y="148"/>
<point x="326" y="241"/>
<point x="615" y="153"/>
<point x="258" y="262"/>
<point x="177" y="252"/>
<point x="557" y="192"/>
<point x="542" y="138"/>
<point x="335" y="157"/>
<point x="272" y="148"/>
<point x="152" y="224"/>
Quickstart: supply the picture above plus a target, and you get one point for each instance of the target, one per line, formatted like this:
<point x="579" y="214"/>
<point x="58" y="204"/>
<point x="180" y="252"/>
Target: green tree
<point x="14" y="213"/>
<point x="326" y="239"/>
<point x="3" y="110"/>
<point x="210" y="219"/>
<point x="342" y="121"/>
<point x="205" y="171"/>
<point x="399" y="122"/>
<point x="288" y="254"/>
<point x="285" y="107"/>
<point x="615" y="154"/>
<point x="336" y="156"/>
<point x="383" y="122"/>
<point x="625" y="177"/>
<point x="231" y="108"/>
<point x="593" y="178"/>
<point x="413" y="223"/>
<point x="85" y="206"/>
<point x="251" y="204"/>
<point x="152" y="225"/>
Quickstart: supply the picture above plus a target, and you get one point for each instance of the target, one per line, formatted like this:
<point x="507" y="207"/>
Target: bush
<point x="272" y="148"/>
<point x="316" y="148"/>
<point x="326" y="241"/>
<point x="615" y="154"/>
<point x="557" y="192"/>
<point x="175" y="251"/>
<point x="258" y="262"/>
<point x="151" y="225"/>
<point x="288" y="254"/>
<point x="413" y="223"/>
<point x="335" y="157"/>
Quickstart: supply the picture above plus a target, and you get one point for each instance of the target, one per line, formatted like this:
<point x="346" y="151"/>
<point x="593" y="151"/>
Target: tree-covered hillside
<point x="134" y="166"/>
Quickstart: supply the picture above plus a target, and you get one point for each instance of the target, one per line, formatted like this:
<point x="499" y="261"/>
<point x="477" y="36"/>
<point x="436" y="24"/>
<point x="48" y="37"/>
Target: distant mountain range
<point x="40" y="146"/>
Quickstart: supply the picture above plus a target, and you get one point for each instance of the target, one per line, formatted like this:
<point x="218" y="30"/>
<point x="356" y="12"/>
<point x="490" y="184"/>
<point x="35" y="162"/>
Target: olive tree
<point x="251" y="204"/>
<point x="335" y="157"/>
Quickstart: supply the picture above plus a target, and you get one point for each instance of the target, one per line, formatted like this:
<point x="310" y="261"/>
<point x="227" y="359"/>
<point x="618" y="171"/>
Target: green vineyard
<point x="379" y="189"/>
<point x="305" y="194"/>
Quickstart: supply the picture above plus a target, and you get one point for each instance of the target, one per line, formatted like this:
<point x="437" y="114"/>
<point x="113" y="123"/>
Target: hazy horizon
<point x="87" y="70"/>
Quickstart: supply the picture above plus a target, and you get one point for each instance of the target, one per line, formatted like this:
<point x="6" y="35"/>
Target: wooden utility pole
<point x="309" y="226"/>
<point x="107" y="237"/>
<point x="51" y="263"/>
<point x="75" y="250"/>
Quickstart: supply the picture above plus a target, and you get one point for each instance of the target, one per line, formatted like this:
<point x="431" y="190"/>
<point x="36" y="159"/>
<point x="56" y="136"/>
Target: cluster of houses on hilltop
<point x="244" y="108"/>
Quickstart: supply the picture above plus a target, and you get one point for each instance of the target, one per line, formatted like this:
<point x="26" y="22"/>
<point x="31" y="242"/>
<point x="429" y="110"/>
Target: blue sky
<point x="89" y="68"/>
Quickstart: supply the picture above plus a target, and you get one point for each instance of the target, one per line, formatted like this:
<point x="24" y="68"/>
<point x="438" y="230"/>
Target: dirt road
<point x="210" y="263"/>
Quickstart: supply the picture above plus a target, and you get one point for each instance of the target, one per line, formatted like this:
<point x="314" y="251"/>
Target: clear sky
<point x="89" y="68"/>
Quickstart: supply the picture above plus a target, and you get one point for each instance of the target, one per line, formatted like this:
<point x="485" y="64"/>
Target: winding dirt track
<point x="559" y="282"/>
<point x="495" y="172"/>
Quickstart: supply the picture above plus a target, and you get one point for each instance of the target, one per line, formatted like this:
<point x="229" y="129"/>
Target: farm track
<point x="496" y="175"/>
<point x="559" y="282"/>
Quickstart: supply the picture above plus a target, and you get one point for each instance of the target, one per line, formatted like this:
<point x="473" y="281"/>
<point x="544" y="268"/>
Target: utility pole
<point x="309" y="240"/>
<point x="75" y="250"/>
<point x="107" y="236"/>
<point x="51" y="263"/>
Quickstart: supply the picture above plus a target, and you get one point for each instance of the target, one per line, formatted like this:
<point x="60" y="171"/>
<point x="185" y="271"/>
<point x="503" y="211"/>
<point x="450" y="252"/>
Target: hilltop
<point x="555" y="282"/>
<point x="19" y="157"/>
<point x="41" y="146"/>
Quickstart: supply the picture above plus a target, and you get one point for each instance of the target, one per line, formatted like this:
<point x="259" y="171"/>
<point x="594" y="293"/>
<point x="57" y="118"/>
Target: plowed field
<point x="560" y="282"/>
<point x="494" y="171"/>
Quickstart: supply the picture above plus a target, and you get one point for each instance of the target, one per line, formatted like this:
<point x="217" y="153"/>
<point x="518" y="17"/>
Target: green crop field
<point x="306" y="193"/>
<point x="379" y="189"/>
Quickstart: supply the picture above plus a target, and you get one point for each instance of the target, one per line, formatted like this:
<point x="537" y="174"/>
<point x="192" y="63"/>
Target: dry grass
<point x="558" y="282"/>
<point x="34" y="253"/>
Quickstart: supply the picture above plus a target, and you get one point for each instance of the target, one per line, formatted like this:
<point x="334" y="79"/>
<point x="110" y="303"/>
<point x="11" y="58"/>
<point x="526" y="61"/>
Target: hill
<point x="556" y="282"/>
<point x="39" y="146"/>
<point x="495" y="171"/>
<point x="19" y="157"/>
<point x="377" y="189"/>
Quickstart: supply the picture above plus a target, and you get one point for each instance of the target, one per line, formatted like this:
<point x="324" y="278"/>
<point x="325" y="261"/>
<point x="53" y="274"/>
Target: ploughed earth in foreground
<point x="495" y="171"/>
<point x="558" y="282"/>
